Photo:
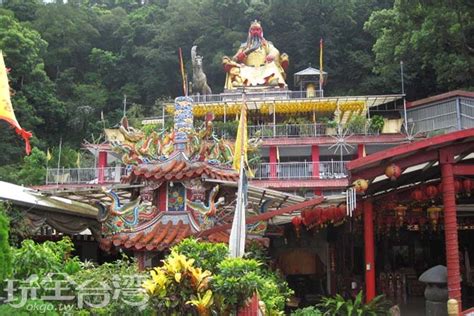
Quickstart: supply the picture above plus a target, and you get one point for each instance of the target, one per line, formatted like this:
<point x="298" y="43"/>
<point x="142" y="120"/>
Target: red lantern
<point x="467" y="185"/>
<point x="393" y="172"/>
<point x="324" y="217"/>
<point x="332" y="211"/>
<point x="417" y="195"/>
<point x="457" y="186"/>
<point x="341" y="213"/>
<point x="318" y="214"/>
<point x="431" y="191"/>
<point x="296" y="221"/>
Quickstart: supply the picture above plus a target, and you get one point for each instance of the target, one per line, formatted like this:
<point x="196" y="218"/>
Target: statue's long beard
<point x="255" y="42"/>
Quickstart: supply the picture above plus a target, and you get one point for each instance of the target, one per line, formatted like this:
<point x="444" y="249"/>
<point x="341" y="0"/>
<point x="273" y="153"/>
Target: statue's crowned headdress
<point x="255" y="23"/>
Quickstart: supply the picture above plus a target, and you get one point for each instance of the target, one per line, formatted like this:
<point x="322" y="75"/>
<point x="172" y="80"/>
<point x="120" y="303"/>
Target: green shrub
<point x="31" y="307"/>
<point x="121" y="274"/>
<point x="41" y="259"/>
<point x="206" y="255"/>
<point x="357" y="124"/>
<point x="238" y="279"/>
<point x="5" y="252"/>
<point x="307" y="311"/>
<point x="339" y="306"/>
<point x="376" y="123"/>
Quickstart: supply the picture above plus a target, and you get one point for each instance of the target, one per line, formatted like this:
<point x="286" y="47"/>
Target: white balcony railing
<point x="301" y="170"/>
<point x="84" y="175"/>
<point x="257" y="96"/>
<point x="264" y="171"/>
<point x="292" y="130"/>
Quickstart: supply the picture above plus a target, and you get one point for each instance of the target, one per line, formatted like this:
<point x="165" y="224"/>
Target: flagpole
<point x="321" y="77"/>
<point x="124" y="105"/>
<point x="59" y="159"/>
<point x="238" y="231"/>
<point x="404" y="98"/>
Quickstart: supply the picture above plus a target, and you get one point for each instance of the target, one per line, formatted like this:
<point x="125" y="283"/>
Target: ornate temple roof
<point x="169" y="229"/>
<point x="175" y="169"/>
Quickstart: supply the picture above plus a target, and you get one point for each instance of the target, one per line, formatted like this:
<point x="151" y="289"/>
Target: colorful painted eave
<point x="168" y="229"/>
<point x="178" y="170"/>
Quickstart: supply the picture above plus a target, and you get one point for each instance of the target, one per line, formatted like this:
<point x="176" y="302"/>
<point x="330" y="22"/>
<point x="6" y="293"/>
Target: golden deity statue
<point x="257" y="63"/>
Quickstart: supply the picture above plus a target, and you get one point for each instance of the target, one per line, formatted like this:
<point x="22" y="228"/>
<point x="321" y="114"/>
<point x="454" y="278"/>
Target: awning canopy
<point x="418" y="161"/>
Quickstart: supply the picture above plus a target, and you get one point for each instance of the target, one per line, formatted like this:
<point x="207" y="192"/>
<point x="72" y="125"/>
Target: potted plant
<point x="331" y="127"/>
<point x="357" y="124"/>
<point x="376" y="124"/>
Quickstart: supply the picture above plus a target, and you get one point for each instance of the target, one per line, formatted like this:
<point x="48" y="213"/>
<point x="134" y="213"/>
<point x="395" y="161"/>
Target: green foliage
<point x="307" y="311"/>
<point x="376" y="123"/>
<point x="31" y="307"/>
<point x="33" y="169"/>
<point x="235" y="280"/>
<point x="255" y="250"/>
<point x="124" y="274"/>
<point x="357" y="124"/>
<point x="338" y="305"/>
<point x="72" y="61"/>
<point x="5" y="252"/>
<point x="179" y="287"/>
<point x="41" y="259"/>
<point x="206" y="255"/>
<point x="229" y="128"/>
<point x="239" y="278"/>
<point x="431" y="38"/>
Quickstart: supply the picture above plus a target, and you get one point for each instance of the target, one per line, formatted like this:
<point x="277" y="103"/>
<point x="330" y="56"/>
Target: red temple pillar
<point x="315" y="163"/>
<point x="360" y="150"/>
<point x="101" y="165"/>
<point x="273" y="162"/>
<point x="446" y="160"/>
<point x="162" y="197"/>
<point x="369" y="250"/>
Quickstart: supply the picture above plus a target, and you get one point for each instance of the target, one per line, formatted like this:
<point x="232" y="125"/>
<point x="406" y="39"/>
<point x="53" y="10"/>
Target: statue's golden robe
<point x="256" y="70"/>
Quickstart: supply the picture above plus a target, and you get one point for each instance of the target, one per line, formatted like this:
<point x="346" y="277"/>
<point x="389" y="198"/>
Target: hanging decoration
<point x="393" y="171"/>
<point x="284" y="106"/>
<point x="431" y="192"/>
<point x="417" y="195"/>
<point x="433" y="215"/>
<point x="467" y="185"/>
<point x="400" y="212"/>
<point x="457" y="186"/>
<point x="360" y="185"/>
<point x="296" y="221"/>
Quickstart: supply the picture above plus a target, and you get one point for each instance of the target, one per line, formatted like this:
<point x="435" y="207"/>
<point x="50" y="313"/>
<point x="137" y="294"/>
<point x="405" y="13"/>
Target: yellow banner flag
<point x="78" y="160"/>
<point x="6" y="108"/>
<point x="241" y="142"/>
<point x="48" y="155"/>
<point x="321" y="76"/>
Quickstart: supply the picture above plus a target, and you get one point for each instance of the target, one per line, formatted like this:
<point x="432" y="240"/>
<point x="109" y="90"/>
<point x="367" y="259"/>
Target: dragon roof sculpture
<point x="170" y="199"/>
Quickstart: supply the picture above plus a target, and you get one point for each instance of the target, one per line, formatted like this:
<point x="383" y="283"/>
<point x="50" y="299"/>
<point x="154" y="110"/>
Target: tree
<point x="34" y="101"/>
<point x="5" y="251"/>
<point x="432" y="39"/>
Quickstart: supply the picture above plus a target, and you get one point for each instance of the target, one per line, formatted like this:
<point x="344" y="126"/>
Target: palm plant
<point x="339" y="306"/>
